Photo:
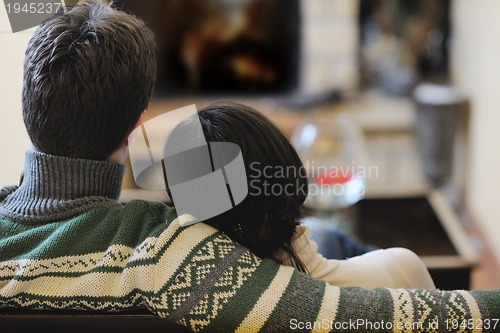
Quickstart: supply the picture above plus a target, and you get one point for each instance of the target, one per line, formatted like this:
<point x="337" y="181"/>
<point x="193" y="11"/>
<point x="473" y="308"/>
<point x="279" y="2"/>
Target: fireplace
<point x="223" y="47"/>
<point x="302" y="52"/>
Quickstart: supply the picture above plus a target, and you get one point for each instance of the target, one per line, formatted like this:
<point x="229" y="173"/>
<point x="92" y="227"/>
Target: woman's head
<point x="277" y="184"/>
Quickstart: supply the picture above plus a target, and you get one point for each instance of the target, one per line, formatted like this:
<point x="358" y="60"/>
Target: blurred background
<point x="416" y="80"/>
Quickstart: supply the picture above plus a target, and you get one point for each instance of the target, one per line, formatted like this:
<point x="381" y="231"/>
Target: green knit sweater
<point x="138" y="256"/>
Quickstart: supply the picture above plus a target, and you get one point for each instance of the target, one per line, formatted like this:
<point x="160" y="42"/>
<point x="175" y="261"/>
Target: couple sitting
<point x="67" y="243"/>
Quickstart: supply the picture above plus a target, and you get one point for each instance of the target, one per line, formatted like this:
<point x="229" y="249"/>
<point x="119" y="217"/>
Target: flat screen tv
<point x="223" y="47"/>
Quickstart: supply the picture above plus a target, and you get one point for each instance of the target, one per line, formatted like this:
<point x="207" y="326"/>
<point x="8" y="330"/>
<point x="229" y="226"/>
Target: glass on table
<point x="333" y="150"/>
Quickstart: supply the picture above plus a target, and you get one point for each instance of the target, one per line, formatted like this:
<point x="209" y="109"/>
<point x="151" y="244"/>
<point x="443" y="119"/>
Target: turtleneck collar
<point x="56" y="188"/>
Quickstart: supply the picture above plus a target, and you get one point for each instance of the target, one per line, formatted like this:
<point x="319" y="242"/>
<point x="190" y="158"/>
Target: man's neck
<point x="120" y="155"/>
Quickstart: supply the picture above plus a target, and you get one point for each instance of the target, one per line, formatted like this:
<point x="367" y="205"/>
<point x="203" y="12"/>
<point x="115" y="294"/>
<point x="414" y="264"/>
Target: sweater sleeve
<point x="215" y="285"/>
<point x="292" y="301"/>
<point x="398" y="310"/>
<point x="391" y="268"/>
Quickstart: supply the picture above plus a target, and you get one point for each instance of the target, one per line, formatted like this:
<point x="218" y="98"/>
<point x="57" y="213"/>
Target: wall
<point x="13" y="138"/>
<point x="329" y="45"/>
<point x="476" y="69"/>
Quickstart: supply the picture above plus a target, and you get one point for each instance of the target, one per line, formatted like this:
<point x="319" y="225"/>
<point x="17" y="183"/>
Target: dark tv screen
<point x="223" y="47"/>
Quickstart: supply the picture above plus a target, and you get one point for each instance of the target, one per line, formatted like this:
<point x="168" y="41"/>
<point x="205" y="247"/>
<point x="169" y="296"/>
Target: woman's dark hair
<point x="89" y="74"/>
<point x="265" y="221"/>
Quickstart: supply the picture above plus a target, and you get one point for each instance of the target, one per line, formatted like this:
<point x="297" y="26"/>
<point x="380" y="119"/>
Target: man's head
<point x="88" y="76"/>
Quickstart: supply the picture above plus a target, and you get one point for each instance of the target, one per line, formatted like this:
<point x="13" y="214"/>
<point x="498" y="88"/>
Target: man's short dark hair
<point x="88" y="75"/>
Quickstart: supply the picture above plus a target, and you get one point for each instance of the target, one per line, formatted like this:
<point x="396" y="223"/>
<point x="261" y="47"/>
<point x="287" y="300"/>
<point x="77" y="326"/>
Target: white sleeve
<point x="388" y="268"/>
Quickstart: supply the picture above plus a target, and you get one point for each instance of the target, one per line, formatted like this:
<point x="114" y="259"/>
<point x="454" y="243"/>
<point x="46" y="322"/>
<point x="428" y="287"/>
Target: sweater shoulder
<point x="94" y="231"/>
<point x="152" y="209"/>
<point x="143" y="212"/>
<point x="137" y="219"/>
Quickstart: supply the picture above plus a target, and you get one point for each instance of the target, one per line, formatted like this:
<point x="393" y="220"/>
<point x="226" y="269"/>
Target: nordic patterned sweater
<point x="66" y="243"/>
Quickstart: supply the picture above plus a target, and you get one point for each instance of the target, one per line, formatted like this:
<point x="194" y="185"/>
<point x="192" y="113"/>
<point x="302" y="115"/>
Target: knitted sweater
<point x="138" y="256"/>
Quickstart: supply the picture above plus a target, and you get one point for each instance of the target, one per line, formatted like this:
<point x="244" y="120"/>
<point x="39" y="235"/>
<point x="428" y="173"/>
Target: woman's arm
<point x="388" y="268"/>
